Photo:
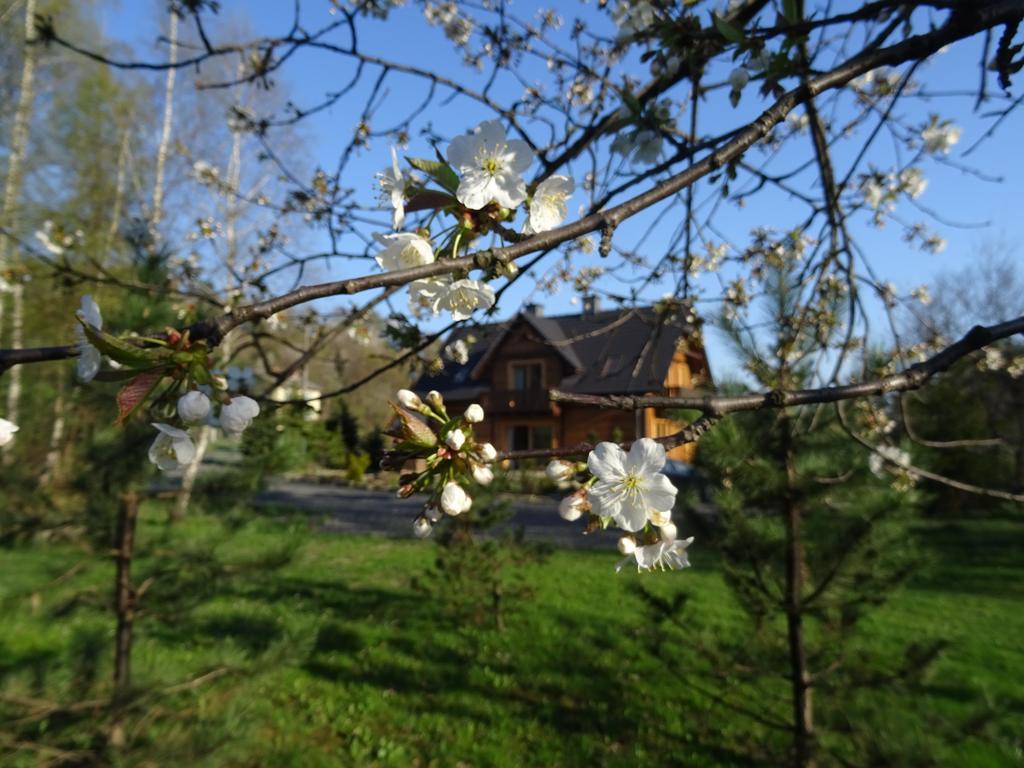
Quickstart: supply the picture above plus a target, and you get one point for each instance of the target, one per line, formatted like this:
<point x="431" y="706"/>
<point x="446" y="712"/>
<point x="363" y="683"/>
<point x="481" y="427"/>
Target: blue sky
<point x="956" y="195"/>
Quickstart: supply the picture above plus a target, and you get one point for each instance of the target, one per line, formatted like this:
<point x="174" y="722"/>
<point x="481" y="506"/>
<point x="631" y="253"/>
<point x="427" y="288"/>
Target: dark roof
<point x="621" y="351"/>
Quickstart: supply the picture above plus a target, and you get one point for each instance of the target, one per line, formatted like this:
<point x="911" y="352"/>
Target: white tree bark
<point x="165" y="136"/>
<point x="233" y="178"/>
<point x="12" y="191"/>
<point x="119" y="188"/>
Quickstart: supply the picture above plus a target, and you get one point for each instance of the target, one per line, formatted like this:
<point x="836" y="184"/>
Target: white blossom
<point x="559" y="471"/>
<point x="877" y="460"/>
<point x="934" y="244"/>
<point x="666" y="555"/>
<point x="422" y="527"/>
<point x="7" y="430"/>
<point x="464" y="296"/>
<point x="938" y="137"/>
<point x="490" y="166"/>
<point x="238" y="414"/>
<point x="193" y="407"/>
<point x="173" y="448"/>
<point x="457" y="352"/>
<point x="403" y="250"/>
<point x="913" y="182"/>
<point x="642" y="146"/>
<point x="738" y="79"/>
<point x="455" y="500"/>
<point x="668" y="531"/>
<point x="205" y="173"/>
<point x="486" y="452"/>
<point x="630" y="486"/>
<point x="394" y="186"/>
<point x="626" y="545"/>
<point x="424" y="294"/>
<point x="573" y="506"/>
<point x="46" y="238"/>
<point x="474" y="413"/>
<point x="88" y="356"/>
<point x="633" y="17"/>
<point x="548" y="207"/>
<point x="455" y="439"/>
<point x="409" y="399"/>
<point x="483" y="475"/>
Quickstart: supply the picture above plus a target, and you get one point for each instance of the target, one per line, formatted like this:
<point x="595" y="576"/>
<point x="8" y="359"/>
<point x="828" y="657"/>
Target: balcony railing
<point x="519" y="401"/>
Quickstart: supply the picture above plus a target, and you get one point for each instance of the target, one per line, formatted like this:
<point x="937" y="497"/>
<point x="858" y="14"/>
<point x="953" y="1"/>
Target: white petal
<point x="491" y="132"/>
<point x="172" y="432"/>
<point x="632" y="514"/>
<point x="607" y="462"/>
<point x="659" y="493"/>
<point x="606" y="499"/>
<point x="88" y="364"/>
<point x="474" y="189"/>
<point x="462" y="151"/>
<point x="522" y="155"/>
<point x="646" y="457"/>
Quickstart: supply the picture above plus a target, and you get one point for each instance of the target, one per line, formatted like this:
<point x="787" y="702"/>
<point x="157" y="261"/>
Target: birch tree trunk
<point x="12" y="191"/>
<point x="234" y="180"/>
<point x="165" y="136"/>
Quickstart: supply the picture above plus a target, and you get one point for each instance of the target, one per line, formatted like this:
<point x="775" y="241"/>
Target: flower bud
<point x="486" y="452"/>
<point x="483" y="475"/>
<point x="405" y="491"/>
<point x="669" y="532"/>
<point x="573" y="506"/>
<point x="409" y="428"/>
<point x="432" y="513"/>
<point x="193" y="407"/>
<point x="434" y="400"/>
<point x="409" y="399"/>
<point x="627" y="545"/>
<point x="455" y="439"/>
<point x="474" y="414"/>
<point x="738" y="79"/>
<point x="559" y="470"/>
<point x="660" y="517"/>
<point x="238" y="414"/>
<point x="422" y="527"/>
<point x="454" y="500"/>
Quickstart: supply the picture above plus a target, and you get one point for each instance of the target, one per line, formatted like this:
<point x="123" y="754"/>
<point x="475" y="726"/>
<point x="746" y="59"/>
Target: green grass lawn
<point x="328" y="651"/>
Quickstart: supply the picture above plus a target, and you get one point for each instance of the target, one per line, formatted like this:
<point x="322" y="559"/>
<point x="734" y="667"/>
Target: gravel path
<point x="354" y="510"/>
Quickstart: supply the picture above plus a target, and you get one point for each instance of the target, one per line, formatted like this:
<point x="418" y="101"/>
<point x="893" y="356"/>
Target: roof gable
<point x="622" y="351"/>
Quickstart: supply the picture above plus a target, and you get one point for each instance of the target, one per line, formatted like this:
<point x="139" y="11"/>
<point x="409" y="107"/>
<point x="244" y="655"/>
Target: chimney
<point x="536" y="310"/>
<point x="590" y="305"/>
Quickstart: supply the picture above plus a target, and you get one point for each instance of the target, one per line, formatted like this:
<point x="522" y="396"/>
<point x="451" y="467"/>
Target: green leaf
<point x="200" y="374"/>
<point x="439" y="171"/>
<point x="123" y="352"/>
<point x="731" y="33"/>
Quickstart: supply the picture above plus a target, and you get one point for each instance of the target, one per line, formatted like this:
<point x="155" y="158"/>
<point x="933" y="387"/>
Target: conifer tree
<point x="814" y="536"/>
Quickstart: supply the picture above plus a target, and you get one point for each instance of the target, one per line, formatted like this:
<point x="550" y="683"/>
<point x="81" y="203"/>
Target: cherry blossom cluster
<point x="173" y="447"/>
<point x="629" y="491"/>
<point x="446" y="446"/>
<point x="177" y="359"/>
<point x="480" y="186"/>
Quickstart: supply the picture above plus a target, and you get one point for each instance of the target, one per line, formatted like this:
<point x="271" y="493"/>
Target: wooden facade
<point x="522" y="365"/>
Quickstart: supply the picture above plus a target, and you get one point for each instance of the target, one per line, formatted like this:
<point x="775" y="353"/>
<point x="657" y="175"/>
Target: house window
<point x="527" y="376"/>
<point x="524" y="438"/>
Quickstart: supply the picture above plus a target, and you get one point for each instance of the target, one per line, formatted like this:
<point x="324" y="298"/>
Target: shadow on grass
<point x="975" y="559"/>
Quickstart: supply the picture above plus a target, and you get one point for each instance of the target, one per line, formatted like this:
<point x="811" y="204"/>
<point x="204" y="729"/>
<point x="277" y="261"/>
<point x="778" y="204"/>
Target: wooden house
<point x="509" y="367"/>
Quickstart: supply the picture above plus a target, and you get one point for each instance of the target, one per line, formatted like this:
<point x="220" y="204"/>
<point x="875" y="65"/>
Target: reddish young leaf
<point x="134" y="393"/>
